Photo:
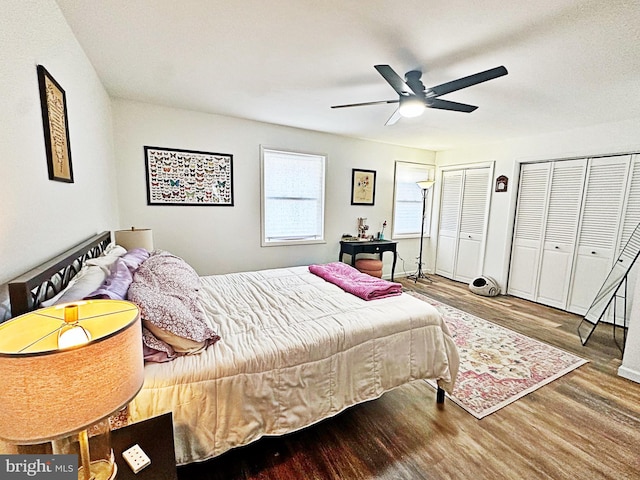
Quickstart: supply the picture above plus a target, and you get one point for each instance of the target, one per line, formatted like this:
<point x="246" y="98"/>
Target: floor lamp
<point x="424" y="185"/>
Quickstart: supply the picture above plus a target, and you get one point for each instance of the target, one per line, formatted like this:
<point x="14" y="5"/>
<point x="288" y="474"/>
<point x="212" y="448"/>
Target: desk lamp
<point x="65" y="369"/>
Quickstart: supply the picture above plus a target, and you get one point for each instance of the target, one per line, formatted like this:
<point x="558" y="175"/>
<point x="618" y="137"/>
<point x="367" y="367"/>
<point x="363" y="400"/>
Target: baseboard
<point x="629" y="374"/>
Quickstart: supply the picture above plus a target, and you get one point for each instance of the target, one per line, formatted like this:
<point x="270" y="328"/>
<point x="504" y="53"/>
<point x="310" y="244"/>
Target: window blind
<point x="407" y="208"/>
<point x="293" y="196"/>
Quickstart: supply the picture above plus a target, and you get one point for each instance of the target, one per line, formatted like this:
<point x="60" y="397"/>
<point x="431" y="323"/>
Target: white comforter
<point x="294" y="349"/>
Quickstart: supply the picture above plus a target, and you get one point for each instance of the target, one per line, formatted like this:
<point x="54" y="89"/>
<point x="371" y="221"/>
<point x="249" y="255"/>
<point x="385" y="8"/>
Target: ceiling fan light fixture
<point x="411" y="107"/>
<point x="414" y="97"/>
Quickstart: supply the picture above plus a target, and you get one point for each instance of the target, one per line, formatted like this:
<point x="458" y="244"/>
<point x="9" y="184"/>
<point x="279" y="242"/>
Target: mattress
<point x="293" y="350"/>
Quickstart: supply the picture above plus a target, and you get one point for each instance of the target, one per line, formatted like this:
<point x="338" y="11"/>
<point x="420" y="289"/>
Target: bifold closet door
<point x="599" y="228"/>
<point x="528" y="231"/>
<point x="560" y="231"/>
<point x="463" y="218"/>
<point x="450" y="206"/>
<point x="547" y="216"/>
<point x="473" y="224"/>
<point x="631" y="217"/>
<point x="630" y="220"/>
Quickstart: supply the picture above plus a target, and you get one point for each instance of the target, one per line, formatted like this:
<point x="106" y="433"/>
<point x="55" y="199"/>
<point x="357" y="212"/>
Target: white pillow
<point x="85" y="282"/>
<point x="108" y="258"/>
<point x="90" y="277"/>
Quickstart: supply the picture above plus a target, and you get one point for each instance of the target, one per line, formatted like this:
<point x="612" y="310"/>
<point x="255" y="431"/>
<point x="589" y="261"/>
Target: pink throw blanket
<point x="355" y="282"/>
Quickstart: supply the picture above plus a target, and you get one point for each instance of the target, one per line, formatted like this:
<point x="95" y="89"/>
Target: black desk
<point x="376" y="246"/>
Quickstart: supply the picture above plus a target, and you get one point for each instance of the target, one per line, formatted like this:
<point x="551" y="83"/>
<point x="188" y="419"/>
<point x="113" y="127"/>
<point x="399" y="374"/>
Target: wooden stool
<point x="370" y="266"/>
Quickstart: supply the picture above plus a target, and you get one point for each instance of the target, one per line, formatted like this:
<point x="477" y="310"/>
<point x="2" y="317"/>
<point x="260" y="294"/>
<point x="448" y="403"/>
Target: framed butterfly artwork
<point x="188" y="177"/>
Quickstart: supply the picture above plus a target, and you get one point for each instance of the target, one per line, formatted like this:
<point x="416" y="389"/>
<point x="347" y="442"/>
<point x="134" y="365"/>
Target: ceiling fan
<point x="413" y="97"/>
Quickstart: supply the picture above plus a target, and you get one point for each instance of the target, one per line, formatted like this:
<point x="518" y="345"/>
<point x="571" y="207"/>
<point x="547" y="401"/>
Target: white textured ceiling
<point x="571" y="63"/>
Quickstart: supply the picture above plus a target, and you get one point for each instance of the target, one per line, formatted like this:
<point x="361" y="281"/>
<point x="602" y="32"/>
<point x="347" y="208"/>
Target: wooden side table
<point x="375" y="246"/>
<point x="155" y="437"/>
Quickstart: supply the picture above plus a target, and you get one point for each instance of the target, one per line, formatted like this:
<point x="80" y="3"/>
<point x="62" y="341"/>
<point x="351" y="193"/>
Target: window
<point x="407" y="200"/>
<point x="292" y="197"/>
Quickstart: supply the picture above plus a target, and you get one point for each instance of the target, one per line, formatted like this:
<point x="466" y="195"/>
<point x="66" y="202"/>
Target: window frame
<point x="264" y="242"/>
<point x="430" y="173"/>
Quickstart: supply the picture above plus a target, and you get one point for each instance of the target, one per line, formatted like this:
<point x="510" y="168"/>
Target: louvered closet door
<point x="598" y="234"/>
<point x="631" y="217"/>
<point x="450" y="206"/>
<point x="475" y="199"/>
<point x="529" y="229"/>
<point x="560" y="231"/>
<point x="630" y="220"/>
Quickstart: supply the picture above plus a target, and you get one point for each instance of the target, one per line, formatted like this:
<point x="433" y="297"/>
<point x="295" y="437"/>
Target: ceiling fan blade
<point x="395" y="80"/>
<point x="466" y="81"/>
<point x="365" y="103"/>
<point x="394" y="117"/>
<point x="448" y="105"/>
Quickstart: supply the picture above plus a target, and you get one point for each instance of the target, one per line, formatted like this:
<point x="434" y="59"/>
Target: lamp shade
<point x="47" y="392"/>
<point x="135" y="238"/>
<point x="425" y="184"/>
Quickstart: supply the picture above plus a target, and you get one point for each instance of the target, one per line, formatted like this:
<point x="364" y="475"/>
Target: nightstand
<point x="155" y="437"/>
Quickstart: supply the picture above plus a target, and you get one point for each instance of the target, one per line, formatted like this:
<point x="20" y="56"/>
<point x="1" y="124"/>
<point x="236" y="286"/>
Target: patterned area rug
<point x="497" y="365"/>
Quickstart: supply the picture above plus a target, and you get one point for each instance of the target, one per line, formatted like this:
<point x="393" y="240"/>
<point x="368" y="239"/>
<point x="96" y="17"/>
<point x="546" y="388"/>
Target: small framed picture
<point x="363" y="187"/>
<point x="56" y="127"/>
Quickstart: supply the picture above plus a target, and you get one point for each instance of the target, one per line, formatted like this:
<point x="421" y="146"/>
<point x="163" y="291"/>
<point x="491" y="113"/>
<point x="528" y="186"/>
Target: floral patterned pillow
<point x="166" y="288"/>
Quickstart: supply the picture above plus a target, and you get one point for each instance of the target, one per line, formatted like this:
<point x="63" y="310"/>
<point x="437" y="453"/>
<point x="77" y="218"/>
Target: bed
<point x="291" y="349"/>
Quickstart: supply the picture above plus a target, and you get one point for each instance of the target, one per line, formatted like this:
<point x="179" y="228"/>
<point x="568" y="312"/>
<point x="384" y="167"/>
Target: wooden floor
<point x="585" y="425"/>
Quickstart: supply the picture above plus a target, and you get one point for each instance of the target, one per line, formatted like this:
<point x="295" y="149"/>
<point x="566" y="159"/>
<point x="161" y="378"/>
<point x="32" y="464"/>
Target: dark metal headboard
<point x="45" y="281"/>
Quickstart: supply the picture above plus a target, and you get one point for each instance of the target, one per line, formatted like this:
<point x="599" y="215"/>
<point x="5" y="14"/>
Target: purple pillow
<point x="116" y="285"/>
<point x="134" y="257"/>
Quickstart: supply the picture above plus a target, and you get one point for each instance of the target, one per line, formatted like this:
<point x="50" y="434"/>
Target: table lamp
<point x="65" y="369"/>
<point x="134" y="238"/>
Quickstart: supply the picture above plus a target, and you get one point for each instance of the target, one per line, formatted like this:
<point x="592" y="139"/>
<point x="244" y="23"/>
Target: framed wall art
<point x="363" y="187"/>
<point x="53" y="102"/>
<point x="188" y="177"/>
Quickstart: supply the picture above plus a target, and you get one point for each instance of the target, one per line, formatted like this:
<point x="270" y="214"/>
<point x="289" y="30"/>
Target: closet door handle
<point x="556" y="247"/>
<point x="593" y="253"/>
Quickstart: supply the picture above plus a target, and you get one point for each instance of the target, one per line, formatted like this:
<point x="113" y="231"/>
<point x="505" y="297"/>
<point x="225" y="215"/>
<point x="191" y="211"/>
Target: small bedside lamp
<point x="65" y="369"/>
<point x="134" y="238"/>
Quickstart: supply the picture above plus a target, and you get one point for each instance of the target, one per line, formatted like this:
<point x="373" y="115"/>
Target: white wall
<point x="609" y="138"/>
<point x="217" y="239"/>
<point x="40" y="217"/>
